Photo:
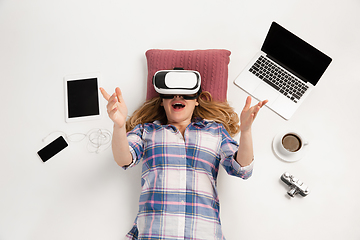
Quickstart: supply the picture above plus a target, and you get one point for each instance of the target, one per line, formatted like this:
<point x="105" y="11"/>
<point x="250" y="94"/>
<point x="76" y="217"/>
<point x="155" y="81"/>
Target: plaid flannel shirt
<point x="179" y="199"/>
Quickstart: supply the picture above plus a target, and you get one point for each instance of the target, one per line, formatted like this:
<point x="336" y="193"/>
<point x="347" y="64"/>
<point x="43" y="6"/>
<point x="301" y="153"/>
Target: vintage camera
<point x="296" y="186"/>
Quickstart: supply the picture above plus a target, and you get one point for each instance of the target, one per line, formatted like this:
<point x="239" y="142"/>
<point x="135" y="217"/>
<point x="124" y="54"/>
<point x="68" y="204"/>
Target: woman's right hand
<point x="116" y="107"/>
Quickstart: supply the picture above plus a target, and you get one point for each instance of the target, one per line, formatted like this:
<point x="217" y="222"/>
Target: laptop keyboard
<point x="279" y="79"/>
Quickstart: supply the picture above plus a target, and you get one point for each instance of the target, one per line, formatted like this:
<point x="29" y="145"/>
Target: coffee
<point x="291" y="142"/>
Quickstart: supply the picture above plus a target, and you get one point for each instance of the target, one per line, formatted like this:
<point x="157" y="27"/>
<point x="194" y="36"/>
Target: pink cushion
<point x="212" y="65"/>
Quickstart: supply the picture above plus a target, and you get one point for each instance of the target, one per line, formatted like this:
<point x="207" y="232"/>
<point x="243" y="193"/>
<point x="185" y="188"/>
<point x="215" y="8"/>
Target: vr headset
<point x="177" y="82"/>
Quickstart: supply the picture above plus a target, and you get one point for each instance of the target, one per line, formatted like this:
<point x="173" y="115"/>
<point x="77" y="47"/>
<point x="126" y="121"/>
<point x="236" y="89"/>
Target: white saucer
<point x="291" y="157"/>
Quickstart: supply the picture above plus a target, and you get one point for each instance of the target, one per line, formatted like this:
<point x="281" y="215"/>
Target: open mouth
<point x="178" y="106"/>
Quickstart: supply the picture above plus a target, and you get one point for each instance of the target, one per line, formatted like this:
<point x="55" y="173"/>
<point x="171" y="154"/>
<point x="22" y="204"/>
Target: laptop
<point x="284" y="72"/>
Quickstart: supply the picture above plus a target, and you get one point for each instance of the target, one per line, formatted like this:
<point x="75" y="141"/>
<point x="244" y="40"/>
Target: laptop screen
<point x="294" y="54"/>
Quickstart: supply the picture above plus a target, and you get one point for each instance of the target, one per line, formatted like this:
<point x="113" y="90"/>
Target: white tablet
<point x="82" y="97"/>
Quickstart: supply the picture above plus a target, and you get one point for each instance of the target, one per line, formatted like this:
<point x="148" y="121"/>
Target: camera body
<point x="296" y="186"/>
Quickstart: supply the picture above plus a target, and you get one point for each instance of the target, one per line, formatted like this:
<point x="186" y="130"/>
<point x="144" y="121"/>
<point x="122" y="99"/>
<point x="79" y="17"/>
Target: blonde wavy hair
<point x="220" y="112"/>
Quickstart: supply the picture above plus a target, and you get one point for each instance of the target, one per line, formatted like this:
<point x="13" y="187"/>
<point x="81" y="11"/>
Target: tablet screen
<point x="82" y="98"/>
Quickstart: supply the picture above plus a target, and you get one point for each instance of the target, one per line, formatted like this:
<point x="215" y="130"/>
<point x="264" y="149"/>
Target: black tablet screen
<point x="83" y="99"/>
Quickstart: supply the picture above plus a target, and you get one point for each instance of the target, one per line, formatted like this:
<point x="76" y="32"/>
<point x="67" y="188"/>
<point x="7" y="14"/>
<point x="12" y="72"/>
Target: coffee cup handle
<point x="306" y="142"/>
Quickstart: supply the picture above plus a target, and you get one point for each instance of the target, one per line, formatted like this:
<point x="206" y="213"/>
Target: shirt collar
<point x="201" y="122"/>
<point x="196" y="122"/>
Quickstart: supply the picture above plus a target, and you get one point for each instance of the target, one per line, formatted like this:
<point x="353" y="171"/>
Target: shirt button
<point x="182" y="202"/>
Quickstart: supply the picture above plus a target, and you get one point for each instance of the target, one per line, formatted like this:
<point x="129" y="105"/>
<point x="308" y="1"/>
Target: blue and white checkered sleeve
<point x="136" y="145"/>
<point x="229" y="148"/>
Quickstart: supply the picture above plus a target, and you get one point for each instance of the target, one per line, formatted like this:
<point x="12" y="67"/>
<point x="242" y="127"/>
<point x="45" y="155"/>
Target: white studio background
<point x="78" y="194"/>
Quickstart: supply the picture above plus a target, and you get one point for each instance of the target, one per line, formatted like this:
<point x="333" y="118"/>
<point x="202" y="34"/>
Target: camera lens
<point x="292" y="191"/>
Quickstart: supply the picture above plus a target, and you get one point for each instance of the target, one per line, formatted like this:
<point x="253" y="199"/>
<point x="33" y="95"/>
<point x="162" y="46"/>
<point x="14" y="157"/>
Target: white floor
<point x="81" y="195"/>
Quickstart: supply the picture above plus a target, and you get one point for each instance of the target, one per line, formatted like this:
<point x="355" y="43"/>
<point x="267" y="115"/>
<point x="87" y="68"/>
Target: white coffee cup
<point x="290" y="143"/>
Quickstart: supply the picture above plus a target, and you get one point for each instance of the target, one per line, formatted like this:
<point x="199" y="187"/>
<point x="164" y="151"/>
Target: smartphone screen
<point x="52" y="149"/>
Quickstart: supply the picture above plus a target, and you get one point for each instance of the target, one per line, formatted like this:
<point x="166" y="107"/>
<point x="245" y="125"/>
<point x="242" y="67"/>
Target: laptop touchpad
<point x="265" y="92"/>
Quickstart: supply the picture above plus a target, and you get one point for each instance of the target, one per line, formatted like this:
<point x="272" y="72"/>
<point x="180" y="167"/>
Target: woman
<point x="181" y="140"/>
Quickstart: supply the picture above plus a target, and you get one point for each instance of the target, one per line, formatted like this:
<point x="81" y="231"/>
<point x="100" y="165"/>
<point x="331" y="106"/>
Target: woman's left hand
<point x="248" y="114"/>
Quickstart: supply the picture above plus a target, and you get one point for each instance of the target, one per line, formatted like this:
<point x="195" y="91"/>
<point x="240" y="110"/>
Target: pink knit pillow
<point x="212" y="65"/>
